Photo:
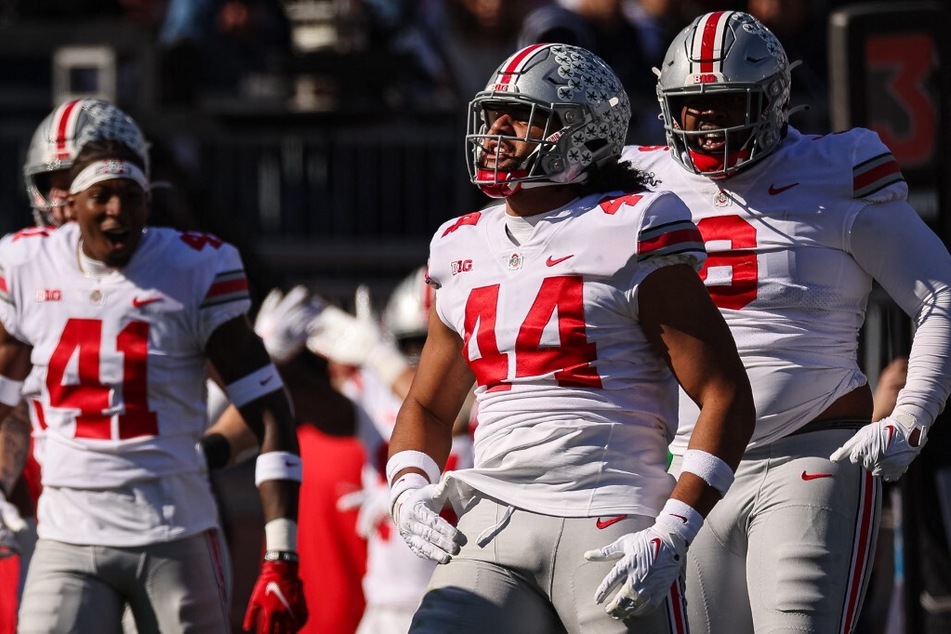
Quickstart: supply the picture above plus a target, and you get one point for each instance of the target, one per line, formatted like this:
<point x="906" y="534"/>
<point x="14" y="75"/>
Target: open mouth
<point x="117" y="237"/>
<point x="713" y="140"/>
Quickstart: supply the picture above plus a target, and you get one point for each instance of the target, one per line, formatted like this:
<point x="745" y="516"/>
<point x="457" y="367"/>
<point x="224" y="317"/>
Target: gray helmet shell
<point x="587" y="116"/>
<point x="727" y="52"/>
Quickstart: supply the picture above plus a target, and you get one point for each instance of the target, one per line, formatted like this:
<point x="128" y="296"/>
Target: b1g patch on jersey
<point x="874" y="174"/>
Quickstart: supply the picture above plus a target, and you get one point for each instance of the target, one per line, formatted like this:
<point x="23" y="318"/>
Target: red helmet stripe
<point x="507" y="75"/>
<point x="62" y="122"/>
<point x="709" y="50"/>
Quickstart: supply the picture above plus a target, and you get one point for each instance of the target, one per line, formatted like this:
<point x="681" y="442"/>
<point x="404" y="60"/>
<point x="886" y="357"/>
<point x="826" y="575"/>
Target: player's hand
<point x="277" y="602"/>
<point x="283" y="321"/>
<point x="416" y="513"/>
<point x="10" y="524"/>
<point x="648" y="563"/>
<point x="885" y="448"/>
<point x="373" y="502"/>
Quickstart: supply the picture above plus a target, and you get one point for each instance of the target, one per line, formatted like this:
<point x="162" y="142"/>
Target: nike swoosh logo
<point x="891" y="432"/>
<point x="602" y="524"/>
<point x="553" y="261"/>
<point x="814" y="476"/>
<point x="139" y="303"/>
<point x="273" y="588"/>
<point x="680" y="517"/>
<point x="266" y="381"/>
<point x="773" y="190"/>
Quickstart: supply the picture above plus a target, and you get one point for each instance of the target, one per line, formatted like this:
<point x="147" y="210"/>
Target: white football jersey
<point x="779" y="267"/>
<point x="575" y="409"/>
<point x="395" y="576"/>
<point x="118" y="379"/>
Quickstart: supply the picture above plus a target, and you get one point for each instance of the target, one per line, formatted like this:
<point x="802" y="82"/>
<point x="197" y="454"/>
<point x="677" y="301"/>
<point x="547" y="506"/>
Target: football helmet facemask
<point x="581" y="106"/>
<point x="60" y="137"/>
<point x="406" y="315"/>
<point x="720" y="54"/>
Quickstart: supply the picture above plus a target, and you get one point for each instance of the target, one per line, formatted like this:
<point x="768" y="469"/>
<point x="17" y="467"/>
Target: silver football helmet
<point x="583" y="107"/>
<point x="63" y="133"/>
<point x="726" y="52"/>
<point x="407" y="310"/>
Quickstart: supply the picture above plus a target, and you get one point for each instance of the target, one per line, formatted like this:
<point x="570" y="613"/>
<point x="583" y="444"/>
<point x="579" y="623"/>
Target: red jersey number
<point x="83" y="337"/>
<point x="571" y="361"/>
<point x="741" y="261"/>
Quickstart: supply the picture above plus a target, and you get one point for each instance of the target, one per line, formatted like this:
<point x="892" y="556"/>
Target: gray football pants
<point x="526" y="574"/>
<point x="178" y="586"/>
<point x="790" y="546"/>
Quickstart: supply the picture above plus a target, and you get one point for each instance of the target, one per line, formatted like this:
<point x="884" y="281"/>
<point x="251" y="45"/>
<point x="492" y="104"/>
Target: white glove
<point x="884" y="448"/>
<point x="10" y="524"/>
<point x="374" y="504"/>
<point x="416" y="512"/>
<point x="355" y="340"/>
<point x="283" y="321"/>
<point x="650" y="561"/>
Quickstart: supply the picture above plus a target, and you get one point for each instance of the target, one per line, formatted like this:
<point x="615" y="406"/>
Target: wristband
<point x="281" y="555"/>
<point x="278" y="465"/>
<point x="10" y="391"/>
<point x="681" y="519"/>
<point x="405" y="483"/>
<point x="411" y="458"/>
<point x="217" y="450"/>
<point x="253" y="386"/>
<point x="388" y="362"/>
<point x="711" y="469"/>
<point x="280" y="535"/>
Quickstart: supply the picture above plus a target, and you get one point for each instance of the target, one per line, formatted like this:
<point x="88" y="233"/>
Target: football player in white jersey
<point x="51" y="152"/>
<point x="797" y="227"/>
<point x="575" y="305"/>
<point x="395" y="578"/>
<point x="106" y="324"/>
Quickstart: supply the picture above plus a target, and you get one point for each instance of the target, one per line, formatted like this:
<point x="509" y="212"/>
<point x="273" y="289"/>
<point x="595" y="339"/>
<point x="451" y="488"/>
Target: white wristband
<point x="712" y="469"/>
<point x="281" y="535"/>
<point x="278" y="465"/>
<point x="10" y="391"/>
<point x="388" y="362"/>
<point x="410" y="458"/>
<point x="253" y="386"/>
<point x="680" y="518"/>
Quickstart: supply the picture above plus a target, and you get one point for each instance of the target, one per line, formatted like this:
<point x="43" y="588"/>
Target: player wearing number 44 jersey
<point x="796" y="227"/>
<point x="576" y="307"/>
<point x="111" y="324"/>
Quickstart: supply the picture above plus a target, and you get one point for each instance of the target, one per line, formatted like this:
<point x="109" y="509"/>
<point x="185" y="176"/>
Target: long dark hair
<point x="617" y="176"/>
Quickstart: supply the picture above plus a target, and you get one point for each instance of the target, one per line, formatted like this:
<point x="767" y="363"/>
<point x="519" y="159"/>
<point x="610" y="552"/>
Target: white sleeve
<point x="891" y="242"/>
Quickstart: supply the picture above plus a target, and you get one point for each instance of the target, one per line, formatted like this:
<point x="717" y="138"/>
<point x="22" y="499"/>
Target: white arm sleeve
<point x="891" y="242"/>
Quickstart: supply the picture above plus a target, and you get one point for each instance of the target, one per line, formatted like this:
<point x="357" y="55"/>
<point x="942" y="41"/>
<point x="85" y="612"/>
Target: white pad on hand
<point x="283" y="321"/>
<point x="339" y="336"/>
<point x="884" y="447"/>
<point x="373" y="502"/>
<point x="11" y="523"/>
<point x="416" y="512"/>
<point x="648" y="563"/>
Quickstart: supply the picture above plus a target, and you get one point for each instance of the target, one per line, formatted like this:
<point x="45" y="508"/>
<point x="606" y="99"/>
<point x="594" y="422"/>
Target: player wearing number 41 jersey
<point x="796" y="227"/>
<point x="112" y="323"/>
<point x="576" y="307"/>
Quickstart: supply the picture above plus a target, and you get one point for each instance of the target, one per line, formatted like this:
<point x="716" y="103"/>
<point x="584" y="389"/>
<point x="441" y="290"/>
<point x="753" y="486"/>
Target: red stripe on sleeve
<point x="874" y="174"/>
<point x="231" y="286"/>
<point x="668" y="239"/>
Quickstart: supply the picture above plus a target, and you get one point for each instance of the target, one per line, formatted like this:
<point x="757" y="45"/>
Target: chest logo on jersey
<point x="722" y="199"/>
<point x="553" y="261"/>
<point x="773" y="190"/>
<point x="460" y="266"/>
<point x="48" y="295"/>
<point x="515" y="261"/>
<point x="139" y="302"/>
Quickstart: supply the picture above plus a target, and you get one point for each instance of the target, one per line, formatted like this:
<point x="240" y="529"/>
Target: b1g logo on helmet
<point x="706" y="78"/>
<point x="504" y="88"/>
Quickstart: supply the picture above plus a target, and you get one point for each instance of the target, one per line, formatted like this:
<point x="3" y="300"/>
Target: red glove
<point x="277" y="603"/>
